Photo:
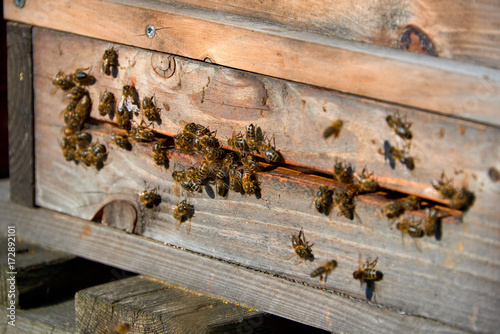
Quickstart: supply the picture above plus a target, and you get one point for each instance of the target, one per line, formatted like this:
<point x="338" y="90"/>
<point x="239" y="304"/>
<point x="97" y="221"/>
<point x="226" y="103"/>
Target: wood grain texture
<point x="20" y="95"/>
<point x="449" y="281"/>
<point x="319" y="307"/>
<point x="146" y="305"/>
<point x="461" y="30"/>
<point x="415" y="80"/>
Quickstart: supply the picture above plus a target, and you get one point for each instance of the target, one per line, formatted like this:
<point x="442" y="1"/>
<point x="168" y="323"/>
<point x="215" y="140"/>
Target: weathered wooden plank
<point x="20" y="96"/>
<point x="146" y="305"/>
<point x="382" y="22"/>
<point x="420" y="81"/>
<point x="323" y="307"/>
<point x="239" y="228"/>
<point x="55" y="319"/>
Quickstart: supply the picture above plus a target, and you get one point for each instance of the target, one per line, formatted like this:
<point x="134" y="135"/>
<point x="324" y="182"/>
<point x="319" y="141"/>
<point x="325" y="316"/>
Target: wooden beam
<point x="415" y="80"/>
<point x="20" y="93"/>
<point x="318" y="307"/>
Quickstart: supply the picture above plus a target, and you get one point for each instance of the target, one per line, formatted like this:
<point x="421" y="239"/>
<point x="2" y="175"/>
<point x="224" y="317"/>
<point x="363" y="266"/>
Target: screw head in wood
<point x="150" y="31"/>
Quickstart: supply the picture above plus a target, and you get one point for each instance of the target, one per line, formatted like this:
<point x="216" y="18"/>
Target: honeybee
<point x="62" y="81"/>
<point x="333" y="129"/>
<point x="366" y="272"/>
<point x="402" y="156"/>
<point x="323" y="200"/>
<point x="150" y="111"/>
<point x="159" y="153"/>
<point x="324" y="270"/>
<point x="229" y="159"/>
<point x="431" y="221"/>
<point x="221" y="181"/>
<point x="141" y="132"/>
<point x="121" y="141"/>
<point x="68" y="150"/>
<point x="344" y="202"/>
<point x="214" y="154"/>
<point x="82" y="78"/>
<point x="269" y="152"/>
<point x="301" y="247"/>
<point x="204" y="171"/>
<point x="109" y="60"/>
<point x="235" y="181"/>
<point x="107" y="104"/>
<point x="129" y="91"/>
<point x="95" y="156"/>
<point x="252" y="139"/>
<point x="237" y="142"/>
<point x="77" y="93"/>
<point x="462" y="199"/>
<point x="80" y="138"/>
<point x="184" y="141"/>
<point x="412" y="228"/>
<point x="83" y="107"/>
<point x="183" y="212"/>
<point x="400" y="126"/>
<point x="249" y="183"/>
<point x="67" y="112"/>
<point x="393" y="209"/>
<point x="343" y="172"/>
<point x="443" y="186"/>
<point x="206" y="143"/>
<point x="365" y="182"/>
<point x="180" y="178"/>
<point x="149" y="198"/>
<point x="411" y="203"/>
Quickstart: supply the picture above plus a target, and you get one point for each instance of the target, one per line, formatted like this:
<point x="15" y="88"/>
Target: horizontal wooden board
<point x="382" y="22"/>
<point x="426" y="82"/>
<point x="449" y="280"/>
<point x="321" y="307"/>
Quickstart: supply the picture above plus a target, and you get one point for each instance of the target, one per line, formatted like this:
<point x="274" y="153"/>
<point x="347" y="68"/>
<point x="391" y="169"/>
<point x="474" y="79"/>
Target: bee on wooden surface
<point x="121" y="141"/>
<point x="149" y="198"/>
<point x="237" y="142"/>
<point x="269" y="152"/>
<point x="95" y="156"/>
<point x="221" y="181"/>
<point x="180" y="178"/>
<point x="160" y="153"/>
<point x="193" y="180"/>
<point x="249" y="162"/>
<point x="367" y="272"/>
<point x="82" y="78"/>
<point x="393" y="209"/>
<point x="333" y="129"/>
<point x="81" y="139"/>
<point x="301" y="247"/>
<point x="213" y="155"/>
<point x="443" y="186"/>
<point x="462" y="199"/>
<point x="229" y="159"/>
<point x="252" y="138"/>
<point x="431" y="221"/>
<point x="235" y="179"/>
<point x="62" y="81"/>
<point x="400" y="126"/>
<point x="324" y="270"/>
<point x="150" y="111"/>
<point x="323" y="200"/>
<point x="141" y="132"/>
<point x="109" y="61"/>
<point x="402" y="156"/>
<point x="205" y="143"/>
<point x="344" y="202"/>
<point x="68" y="112"/>
<point x="183" y="212"/>
<point x="250" y="183"/>
<point x="204" y="171"/>
<point x="68" y="150"/>
<point x="83" y="107"/>
<point x="343" y="172"/>
<point x="365" y="182"/>
<point x="76" y="93"/>
<point x="184" y="141"/>
<point x="412" y="228"/>
<point x="411" y="203"/>
<point x="107" y="104"/>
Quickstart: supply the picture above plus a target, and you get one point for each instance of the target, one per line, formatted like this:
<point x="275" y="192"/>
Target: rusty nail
<point x="150" y="31"/>
<point x="19" y="3"/>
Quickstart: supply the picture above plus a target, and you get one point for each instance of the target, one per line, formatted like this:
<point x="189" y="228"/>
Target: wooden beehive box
<point x="291" y="74"/>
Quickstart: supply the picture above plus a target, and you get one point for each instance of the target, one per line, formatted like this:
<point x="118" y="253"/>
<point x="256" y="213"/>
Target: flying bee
<point x="141" y="132"/>
<point x="249" y="183"/>
<point x="431" y="221"/>
<point x="62" y="81"/>
<point x="237" y="142"/>
<point x="149" y="198"/>
<point x="343" y="172"/>
<point x="400" y="126"/>
<point x="324" y="270"/>
<point x="183" y="212"/>
<point x="269" y="152"/>
<point x="82" y="78"/>
<point x="121" y="141"/>
<point x="109" y="60"/>
<point x="235" y="181"/>
<point x="323" y="200"/>
<point x="107" y="104"/>
<point x="150" y="111"/>
<point x="393" y="209"/>
<point x="366" y="272"/>
<point x="443" y="186"/>
<point x="301" y="247"/>
<point x="365" y="182"/>
<point x="221" y="181"/>
<point x="159" y="152"/>
<point x="333" y="129"/>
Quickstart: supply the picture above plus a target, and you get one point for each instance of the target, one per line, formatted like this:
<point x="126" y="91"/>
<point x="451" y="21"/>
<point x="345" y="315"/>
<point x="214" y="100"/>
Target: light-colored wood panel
<point x="420" y="81"/>
<point x="317" y="307"/>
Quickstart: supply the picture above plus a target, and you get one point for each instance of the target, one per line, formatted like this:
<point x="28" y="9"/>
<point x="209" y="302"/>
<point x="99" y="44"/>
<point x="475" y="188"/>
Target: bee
<point x="191" y="128"/>
<point x="412" y="228"/>
<point x="343" y="172"/>
<point x="235" y="181"/>
<point x="141" y="133"/>
<point x="411" y="203"/>
<point x="402" y="156"/>
<point x="249" y="183"/>
<point x="237" y="142"/>
<point x="80" y="138"/>
<point x="213" y="155"/>
<point x="107" y="104"/>
<point x="109" y="60"/>
<point x="400" y="126"/>
<point x="83" y="107"/>
<point x="68" y="112"/>
<point x="184" y="141"/>
<point x="82" y="78"/>
<point x="221" y="182"/>
<point x="121" y="141"/>
<point x="333" y="129"/>
<point x="159" y="153"/>
<point x="250" y="163"/>
<point x="204" y="171"/>
<point x="365" y="182"/>
<point x="443" y="186"/>
<point x="344" y="202"/>
<point x="301" y="247"/>
<point x="183" y="212"/>
<point x="68" y="150"/>
<point x="205" y="143"/>
<point x="393" y="209"/>
<point x="367" y="272"/>
<point x="269" y="152"/>
<point x="77" y="93"/>
<point x="129" y="91"/>
<point x="324" y="270"/>
<point x="62" y="81"/>
<point x="462" y="199"/>
<point x="431" y="221"/>
<point x="149" y="198"/>
<point x="323" y="200"/>
<point x="150" y="111"/>
<point x="193" y="180"/>
<point x="252" y="139"/>
<point x="180" y="178"/>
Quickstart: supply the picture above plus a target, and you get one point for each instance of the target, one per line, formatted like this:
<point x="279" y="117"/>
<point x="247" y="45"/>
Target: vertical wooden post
<point x="20" y="94"/>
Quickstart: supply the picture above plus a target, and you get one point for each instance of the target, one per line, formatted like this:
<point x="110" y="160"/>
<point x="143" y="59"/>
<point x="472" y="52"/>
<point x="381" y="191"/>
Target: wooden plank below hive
<point x="420" y="81"/>
<point x="237" y="229"/>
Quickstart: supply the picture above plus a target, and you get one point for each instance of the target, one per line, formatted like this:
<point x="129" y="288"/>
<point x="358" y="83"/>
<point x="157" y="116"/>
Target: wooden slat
<point x="382" y="23"/>
<point x="20" y="94"/>
<point x="292" y="300"/>
<point x="420" y="81"/>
